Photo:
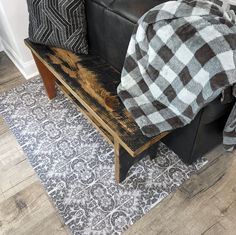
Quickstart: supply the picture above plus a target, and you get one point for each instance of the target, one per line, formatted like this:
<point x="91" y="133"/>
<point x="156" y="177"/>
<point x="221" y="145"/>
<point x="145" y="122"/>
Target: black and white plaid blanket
<point x="181" y="56"/>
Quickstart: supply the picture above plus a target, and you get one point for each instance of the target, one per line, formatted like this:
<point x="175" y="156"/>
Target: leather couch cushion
<point x="110" y="26"/>
<point x="129" y="9"/>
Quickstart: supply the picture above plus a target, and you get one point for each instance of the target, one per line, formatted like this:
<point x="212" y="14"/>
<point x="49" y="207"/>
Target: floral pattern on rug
<point x="76" y="165"/>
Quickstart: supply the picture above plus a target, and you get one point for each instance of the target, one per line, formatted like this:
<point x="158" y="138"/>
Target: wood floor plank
<point x="19" y="187"/>
<point x="216" y="229"/>
<point x="29" y="212"/>
<point x="15" y="175"/>
<point x="10" y="76"/>
<point x="50" y="225"/>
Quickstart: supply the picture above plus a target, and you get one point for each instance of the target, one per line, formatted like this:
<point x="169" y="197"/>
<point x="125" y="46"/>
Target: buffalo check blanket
<point x="181" y="56"/>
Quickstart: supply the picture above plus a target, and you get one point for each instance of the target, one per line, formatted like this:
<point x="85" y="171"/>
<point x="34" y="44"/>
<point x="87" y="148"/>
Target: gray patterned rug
<point x="75" y="164"/>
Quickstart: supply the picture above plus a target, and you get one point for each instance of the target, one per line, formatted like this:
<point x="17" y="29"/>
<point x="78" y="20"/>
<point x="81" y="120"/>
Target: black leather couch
<point x="110" y="25"/>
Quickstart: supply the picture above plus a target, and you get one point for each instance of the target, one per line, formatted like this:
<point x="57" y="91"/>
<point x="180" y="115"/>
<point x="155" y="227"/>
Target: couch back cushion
<point x="58" y="23"/>
<point x="110" y="26"/>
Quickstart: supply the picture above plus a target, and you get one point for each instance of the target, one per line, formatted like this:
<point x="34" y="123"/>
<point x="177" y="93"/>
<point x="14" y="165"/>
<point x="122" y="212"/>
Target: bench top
<point x="93" y="84"/>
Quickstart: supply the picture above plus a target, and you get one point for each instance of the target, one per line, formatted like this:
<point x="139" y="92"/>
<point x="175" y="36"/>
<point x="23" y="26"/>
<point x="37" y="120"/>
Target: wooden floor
<point x="206" y="204"/>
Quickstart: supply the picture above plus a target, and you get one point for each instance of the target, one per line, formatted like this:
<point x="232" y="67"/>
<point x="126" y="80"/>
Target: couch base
<point x="199" y="137"/>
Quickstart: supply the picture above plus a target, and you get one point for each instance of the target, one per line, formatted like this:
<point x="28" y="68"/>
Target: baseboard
<point x="1" y="47"/>
<point x="27" y="69"/>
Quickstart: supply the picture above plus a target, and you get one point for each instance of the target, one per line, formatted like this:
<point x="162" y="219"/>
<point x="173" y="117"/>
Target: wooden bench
<point x="92" y="84"/>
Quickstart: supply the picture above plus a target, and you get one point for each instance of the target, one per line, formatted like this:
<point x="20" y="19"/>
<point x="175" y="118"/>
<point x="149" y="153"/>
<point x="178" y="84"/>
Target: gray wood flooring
<point x="205" y="204"/>
<point x="9" y="75"/>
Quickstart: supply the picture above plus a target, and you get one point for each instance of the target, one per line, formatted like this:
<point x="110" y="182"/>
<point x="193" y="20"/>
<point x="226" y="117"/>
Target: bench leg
<point x="153" y="151"/>
<point x="48" y="78"/>
<point x="123" y="161"/>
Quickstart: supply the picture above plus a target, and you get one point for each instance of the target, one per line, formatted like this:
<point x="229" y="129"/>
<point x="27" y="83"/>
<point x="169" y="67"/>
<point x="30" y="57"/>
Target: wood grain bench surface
<point x="92" y="84"/>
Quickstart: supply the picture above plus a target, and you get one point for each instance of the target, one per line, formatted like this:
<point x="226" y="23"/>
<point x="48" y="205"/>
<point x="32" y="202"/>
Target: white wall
<point x="13" y="31"/>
